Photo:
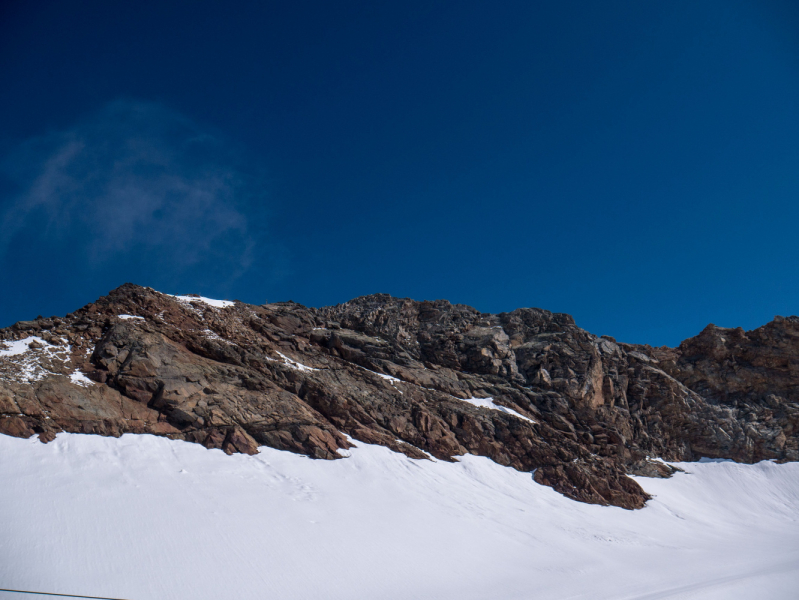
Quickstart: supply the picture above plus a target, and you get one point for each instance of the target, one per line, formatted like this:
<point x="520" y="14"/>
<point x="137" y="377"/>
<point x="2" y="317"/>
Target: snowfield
<point x="147" y="518"/>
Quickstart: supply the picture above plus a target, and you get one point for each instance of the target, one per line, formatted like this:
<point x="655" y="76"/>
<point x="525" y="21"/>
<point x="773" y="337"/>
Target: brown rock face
<point x="581" y="412"/>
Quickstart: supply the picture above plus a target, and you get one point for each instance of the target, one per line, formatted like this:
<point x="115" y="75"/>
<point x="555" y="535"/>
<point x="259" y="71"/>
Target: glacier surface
<point x="147" y="518"/>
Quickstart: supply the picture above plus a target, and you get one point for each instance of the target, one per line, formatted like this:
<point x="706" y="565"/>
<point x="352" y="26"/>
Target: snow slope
<point x="143" y="518"/>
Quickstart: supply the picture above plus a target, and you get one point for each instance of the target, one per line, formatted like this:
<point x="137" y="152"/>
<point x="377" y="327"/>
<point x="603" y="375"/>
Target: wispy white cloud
<point x="135" y="181"/>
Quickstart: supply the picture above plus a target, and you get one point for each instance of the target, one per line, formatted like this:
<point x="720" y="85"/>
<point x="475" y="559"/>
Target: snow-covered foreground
<point x="142" y="517"/>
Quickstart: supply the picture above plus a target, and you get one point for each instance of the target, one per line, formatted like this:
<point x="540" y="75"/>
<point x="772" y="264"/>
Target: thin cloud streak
<point x="134" y="182"/>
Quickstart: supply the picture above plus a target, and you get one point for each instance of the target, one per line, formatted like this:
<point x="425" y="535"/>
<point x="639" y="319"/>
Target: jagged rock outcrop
<point x="579" y="411"/>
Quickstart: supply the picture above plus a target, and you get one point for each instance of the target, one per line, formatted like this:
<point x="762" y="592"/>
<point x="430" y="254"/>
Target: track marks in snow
<point x="86" y="514"/>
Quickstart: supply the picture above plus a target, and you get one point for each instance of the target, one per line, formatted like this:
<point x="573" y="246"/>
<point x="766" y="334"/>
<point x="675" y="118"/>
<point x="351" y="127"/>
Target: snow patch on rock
<point x="209" y="301"/>
<point x="294" y="364"/>
<point x="32" y="359"/>
<point x="489" y="403"/>
<point x="80" y="379"/>
<point x="17" y="347"/>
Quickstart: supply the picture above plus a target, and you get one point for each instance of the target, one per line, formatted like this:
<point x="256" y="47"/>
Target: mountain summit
<point x="528" y="389"/>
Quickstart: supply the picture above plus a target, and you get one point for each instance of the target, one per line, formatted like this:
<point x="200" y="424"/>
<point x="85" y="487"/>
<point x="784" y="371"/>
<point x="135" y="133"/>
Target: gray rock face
<point x="580" y="412"/>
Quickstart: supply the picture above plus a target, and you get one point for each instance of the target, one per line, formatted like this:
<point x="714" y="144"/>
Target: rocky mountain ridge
<point x="528" y="389"/>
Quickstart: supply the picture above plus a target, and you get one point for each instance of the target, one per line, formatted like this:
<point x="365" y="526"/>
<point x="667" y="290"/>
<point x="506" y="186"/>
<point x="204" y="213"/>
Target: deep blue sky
<point x="635" y="164"/>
